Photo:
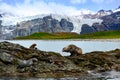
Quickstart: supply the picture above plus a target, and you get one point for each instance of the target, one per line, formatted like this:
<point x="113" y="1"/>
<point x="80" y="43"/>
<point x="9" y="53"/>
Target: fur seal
<point x="33" y="46"/>
<point x="74" y="50"/>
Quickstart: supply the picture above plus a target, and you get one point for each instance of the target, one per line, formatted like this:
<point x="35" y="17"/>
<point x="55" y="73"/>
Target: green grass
<point x="67" y="35"/>
<point x="102" y="35"/>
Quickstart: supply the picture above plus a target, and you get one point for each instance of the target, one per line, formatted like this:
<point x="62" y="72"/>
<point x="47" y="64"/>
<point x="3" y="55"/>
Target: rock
<point x="112" y="21"/>
<point x="26" y="63"/>
<point x="22" y="60"/>
<point x="117" y="68"/>
<point x="64" y="24"/>
<point x="16" y="60"/>
<point x="5" y="57"/>
<point x="96" y="27"/>
<point x="87" y="29"/>
<point x="0" y="27"/>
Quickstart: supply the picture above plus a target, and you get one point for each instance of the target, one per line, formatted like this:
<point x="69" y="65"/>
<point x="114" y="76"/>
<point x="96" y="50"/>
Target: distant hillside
<point x="67" y="35"/>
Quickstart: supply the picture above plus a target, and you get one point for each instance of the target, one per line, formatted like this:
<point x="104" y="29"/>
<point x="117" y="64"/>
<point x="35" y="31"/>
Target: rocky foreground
<point x="16" y="60"/>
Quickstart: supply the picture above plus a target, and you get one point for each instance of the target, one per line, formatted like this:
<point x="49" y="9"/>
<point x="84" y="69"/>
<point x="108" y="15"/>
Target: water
<point x="110" y="75"/>
<point x="57" y="45"/>
<point x="87" y="46"/>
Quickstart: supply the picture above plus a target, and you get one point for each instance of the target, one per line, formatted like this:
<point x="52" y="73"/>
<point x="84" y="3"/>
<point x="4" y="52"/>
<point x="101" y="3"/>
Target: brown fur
<point x="74" y="50"/>
<point x="33" y="46"/>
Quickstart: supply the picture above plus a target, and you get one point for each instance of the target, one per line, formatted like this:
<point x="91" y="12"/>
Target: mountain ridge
<point x="81" y="24"/>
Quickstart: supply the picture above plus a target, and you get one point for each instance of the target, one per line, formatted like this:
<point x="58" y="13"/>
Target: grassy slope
<point x="102" y="35"/>
<point x="65" y="35"/>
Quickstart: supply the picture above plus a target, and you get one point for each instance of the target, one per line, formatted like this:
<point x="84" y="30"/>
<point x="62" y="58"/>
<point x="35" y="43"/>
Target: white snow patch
<point x="117" y="10"/>
<point x="10" y="20"/>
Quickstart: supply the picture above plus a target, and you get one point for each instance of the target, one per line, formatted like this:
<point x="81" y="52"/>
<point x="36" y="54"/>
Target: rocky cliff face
<point x="96" y="27"/>
<point x="0" y="15"/>
<point x="110" y="22"/>
<point x="45" y="24"/>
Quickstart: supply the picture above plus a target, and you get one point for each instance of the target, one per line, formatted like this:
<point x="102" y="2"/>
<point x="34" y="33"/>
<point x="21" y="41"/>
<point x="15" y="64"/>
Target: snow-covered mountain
<point x="77" y="21"/>
<point x="117" y="9"/>
<point x="10" y="21"/>
<point x="99" y="14"/>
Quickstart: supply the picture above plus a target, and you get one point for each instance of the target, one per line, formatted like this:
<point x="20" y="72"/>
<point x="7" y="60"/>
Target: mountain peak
<point x="104" y="11"/>
<point x="117" y="9"/>
<point x="100" y="11"/>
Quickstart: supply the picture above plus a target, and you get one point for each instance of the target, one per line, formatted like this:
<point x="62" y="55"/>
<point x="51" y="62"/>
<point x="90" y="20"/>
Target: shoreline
<point x="110" y="40"/>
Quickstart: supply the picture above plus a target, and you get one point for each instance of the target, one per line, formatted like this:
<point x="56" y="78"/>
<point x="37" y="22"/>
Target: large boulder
<point x="5" y="57"/>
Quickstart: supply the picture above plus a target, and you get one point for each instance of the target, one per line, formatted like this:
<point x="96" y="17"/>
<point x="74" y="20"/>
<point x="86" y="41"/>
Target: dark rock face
<point x="4" y="35"/>
<point x="0" y="27"/>
<point x="96" y="27"/>
<point x="65" y="23"/>
<point x="87" y="29"/>
<point x="0" y="15"/>
<point x="16" y="60"/>
<point x="110" y="22"/>
<point x="45" y="24"/>
<point x="105" y="11"/>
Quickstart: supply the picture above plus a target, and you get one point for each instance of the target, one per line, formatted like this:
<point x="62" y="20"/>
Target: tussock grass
<point x="71" y="35"/>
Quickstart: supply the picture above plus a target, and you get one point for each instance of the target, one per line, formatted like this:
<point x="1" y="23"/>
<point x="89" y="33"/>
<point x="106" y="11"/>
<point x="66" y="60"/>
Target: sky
<point x="64" y="7"/>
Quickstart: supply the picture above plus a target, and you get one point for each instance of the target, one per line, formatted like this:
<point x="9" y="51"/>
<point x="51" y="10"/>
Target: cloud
<point x="98" y="1"/>
<point x="35" y="7"/>
<point x="102" y="1"/>
<point x="77" y="1"/>
<point x="110" y="1"/>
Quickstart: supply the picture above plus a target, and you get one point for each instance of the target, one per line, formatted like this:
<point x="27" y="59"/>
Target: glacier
<point x="79" y="22"/>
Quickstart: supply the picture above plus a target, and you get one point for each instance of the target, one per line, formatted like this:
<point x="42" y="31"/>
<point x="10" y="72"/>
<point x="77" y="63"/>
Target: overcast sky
<point x="66" y="7"/>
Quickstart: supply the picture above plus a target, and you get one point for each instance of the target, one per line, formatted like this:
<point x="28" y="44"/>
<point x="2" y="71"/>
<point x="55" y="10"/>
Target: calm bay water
<point x="111" y="75"/>
<point x="57" y="46"/>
